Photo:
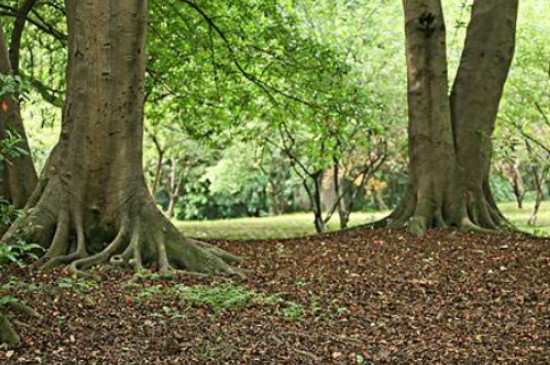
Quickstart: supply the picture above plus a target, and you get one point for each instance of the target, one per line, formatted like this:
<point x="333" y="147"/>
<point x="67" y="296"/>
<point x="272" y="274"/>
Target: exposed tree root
<point x="8" y="335"/>
<point x="7" y="332"/>
<point x="476" y="213"/>
<point x="143" y="238"/>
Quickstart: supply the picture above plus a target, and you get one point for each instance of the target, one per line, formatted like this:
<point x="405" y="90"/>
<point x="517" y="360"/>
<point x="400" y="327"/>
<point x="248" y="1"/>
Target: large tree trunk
<point x="475" y="98"/>
<point x="17" y="175"/>
<point x="450" y="137"/>
<point x="428" y="201"/>
<point x="92" y="204"/>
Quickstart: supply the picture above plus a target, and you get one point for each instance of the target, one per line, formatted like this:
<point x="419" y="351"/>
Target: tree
<point x="540" y="176"/>
<point x="526" y="126"/>
<point x="92" y="204"/>
<point x="450" y="136"/>
<point x="17" y="174"/>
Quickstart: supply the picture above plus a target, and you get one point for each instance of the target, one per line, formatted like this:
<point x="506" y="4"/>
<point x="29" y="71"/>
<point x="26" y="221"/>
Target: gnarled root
<point x="144" y="239"/>
<point x="7" y="332"/>
<point x="161" y="246"/>
<point x="477" y="212"/>
<point x="8" y="335"/>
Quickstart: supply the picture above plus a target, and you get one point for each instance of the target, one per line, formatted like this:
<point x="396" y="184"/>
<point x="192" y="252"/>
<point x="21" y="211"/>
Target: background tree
<point x="450" y="137"/>
<point x="17" y="174"/>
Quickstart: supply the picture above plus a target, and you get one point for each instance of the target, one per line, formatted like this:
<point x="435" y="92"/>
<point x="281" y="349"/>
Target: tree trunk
<point x="431" y="150"/>
<point x="17" y="175"/>
<point x="379" y="203"/>
<point x="92" y="203"/>
<point x="273" y="197"/>
<point x="519" y="186"/>
<point x="158" y="168"/>
<point x="17" y="34"/>
<point x="343" y="197"/>
<point x="475" y="98"/>
<point x="450" y="137"/>
<point x="513" y="175"/>
<point x="343" y="213"/>
<point x="172" y="206"/>
<point x="174" y="188"/>
<point x="538" y="182"/>
<point x="319" y="221"/>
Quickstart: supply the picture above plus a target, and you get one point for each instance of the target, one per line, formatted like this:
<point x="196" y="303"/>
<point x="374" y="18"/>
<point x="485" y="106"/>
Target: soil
<point x="365" y="297"/>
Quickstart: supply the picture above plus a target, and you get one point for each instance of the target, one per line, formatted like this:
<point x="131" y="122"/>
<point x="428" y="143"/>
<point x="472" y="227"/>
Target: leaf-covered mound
<point x="353" y="297"/>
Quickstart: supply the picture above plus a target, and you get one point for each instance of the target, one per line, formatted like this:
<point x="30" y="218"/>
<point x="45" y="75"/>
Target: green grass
<point x="301" y="224"/>
<point x="284" y="226"/>
<point x="520" y="216"/>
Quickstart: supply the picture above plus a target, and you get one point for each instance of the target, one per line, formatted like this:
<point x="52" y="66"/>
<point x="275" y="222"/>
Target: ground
<point x="283" y="226"/>
<point x="358" y="297"/>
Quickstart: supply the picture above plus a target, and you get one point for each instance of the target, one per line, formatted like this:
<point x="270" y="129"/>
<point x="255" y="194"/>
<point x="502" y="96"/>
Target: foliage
<point x="220" y="298"/>
<point x="12" y="85"/>
<point x="229" y="82"/>
<point x="10" y="147"/>
<point x="18" y="252"/>
<point x="79" y="285"/>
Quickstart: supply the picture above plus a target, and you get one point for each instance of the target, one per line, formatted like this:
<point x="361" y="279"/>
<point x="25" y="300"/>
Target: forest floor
<point x="355" y="297"/>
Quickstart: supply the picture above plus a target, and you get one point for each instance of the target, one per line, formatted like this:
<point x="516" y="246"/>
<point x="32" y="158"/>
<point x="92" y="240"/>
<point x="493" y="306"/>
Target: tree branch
<point x="17" y="33"/>
<point x="266" y="88"/>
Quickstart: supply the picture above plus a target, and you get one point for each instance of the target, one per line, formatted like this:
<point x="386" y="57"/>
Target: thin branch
<point x="17" y="33"/>
<point x="249" y="76"/>
<point x="542" y="113"/>
<point x="529" y="136"/>
<point x="41" y="25"/>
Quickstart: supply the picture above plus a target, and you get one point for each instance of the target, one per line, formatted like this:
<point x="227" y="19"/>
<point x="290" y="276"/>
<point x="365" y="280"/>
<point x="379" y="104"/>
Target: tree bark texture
<point x="450" y="136"/>
<point x="92" y="204"/>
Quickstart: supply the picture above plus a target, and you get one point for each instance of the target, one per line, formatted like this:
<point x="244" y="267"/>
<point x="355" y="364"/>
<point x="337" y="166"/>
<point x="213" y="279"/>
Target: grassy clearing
<point x="284" y="226"/>
<point x="301" y="224"/>
<point x="520" y="216"/>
